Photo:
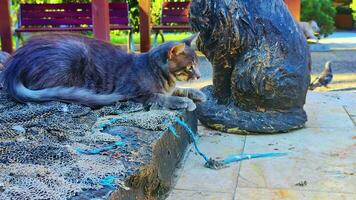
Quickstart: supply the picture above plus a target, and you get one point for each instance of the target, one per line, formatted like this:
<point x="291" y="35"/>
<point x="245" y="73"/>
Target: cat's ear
<point x="188" y="41"/>
<point x="176" y="50"/>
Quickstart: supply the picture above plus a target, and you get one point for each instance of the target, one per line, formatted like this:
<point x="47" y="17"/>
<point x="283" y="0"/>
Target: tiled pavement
<point x="321" y="161"/>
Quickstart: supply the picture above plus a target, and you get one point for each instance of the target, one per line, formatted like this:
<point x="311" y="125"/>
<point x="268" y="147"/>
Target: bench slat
<point x="176" y="4"/>
<point x="169" y="28"/>
<point x="70" y="6"/>
<point x="119" y="6"/>
<point x="56" y="22"/>
<point x="119" y="20"/>
<point x="175" y="19"/>
<point x="37" y="15"/>
<point x="68" y="14"/>
<point x="70" y="21"/>
<point x="50" y="29"/>
<point x="62" y="6"/>
<point x="176" y="12"/>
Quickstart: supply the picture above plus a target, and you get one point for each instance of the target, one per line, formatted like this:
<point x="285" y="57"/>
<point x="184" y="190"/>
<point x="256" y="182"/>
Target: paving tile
<point x="333" y="109"/>
<point x="331" y="98"/>
<point x="335" y="117"/>
<point x="194" y="176"/>
<point x="351" y="111"/>
<point x="285" y="194"/>
<point x="198" y="195"/>
<point x="323" y="157"/>
<point x="325" y="115"/>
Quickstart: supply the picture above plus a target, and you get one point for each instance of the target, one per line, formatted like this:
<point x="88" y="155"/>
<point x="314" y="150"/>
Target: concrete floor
<point x="341" y="40"/>
<point x="321" y="161"/>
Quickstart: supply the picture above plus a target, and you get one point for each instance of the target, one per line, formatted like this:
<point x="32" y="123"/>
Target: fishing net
<point x="57" y="151"/>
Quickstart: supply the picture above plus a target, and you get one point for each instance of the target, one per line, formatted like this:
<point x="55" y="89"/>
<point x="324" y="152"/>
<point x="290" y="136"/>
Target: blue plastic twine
<point x="108" y="181"/>
<point x="192" y="135"/>
<point x="236" y="158"/>
<point x="171" y="128"/>
<point x="218" y="164"/>
<point x="102" y="149"/>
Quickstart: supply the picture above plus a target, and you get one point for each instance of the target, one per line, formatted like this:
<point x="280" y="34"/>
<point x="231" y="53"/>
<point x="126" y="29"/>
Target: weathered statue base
<point x="229" y="118"/>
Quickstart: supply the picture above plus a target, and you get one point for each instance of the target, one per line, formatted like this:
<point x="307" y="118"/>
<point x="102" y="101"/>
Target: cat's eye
<point x="190" y="68"/>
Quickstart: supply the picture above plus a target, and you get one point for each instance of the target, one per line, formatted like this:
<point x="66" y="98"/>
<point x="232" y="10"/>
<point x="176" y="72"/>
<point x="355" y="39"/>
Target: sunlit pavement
<point x="321" y="161"/>
<point x="340" y="40"/>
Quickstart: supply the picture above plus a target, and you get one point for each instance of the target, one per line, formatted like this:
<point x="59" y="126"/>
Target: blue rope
<point x="236" y="158"/>
<point x="171" y="128"/>
<point x="108" y="123"/>
<point x="192" y="135"/>
<point x="218" y="164"/>
<point x="108" y="181"/>
<point x="102" y="149"/>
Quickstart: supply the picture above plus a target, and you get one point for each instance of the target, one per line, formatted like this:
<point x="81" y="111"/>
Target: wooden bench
<point x="69" y="17"/>
<point x="174" y="17"/>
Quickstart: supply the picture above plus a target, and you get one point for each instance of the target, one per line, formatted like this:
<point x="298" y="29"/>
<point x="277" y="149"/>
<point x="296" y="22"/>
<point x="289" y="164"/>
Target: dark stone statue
<point x="260" y="64"/>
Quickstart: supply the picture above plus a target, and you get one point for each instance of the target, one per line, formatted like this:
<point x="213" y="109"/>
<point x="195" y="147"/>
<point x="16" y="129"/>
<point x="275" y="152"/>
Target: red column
<point x="5" y="26"/>
<point x="101" y="19"/>
<point x="294" y="7"/>
<point x="145" y="29"/>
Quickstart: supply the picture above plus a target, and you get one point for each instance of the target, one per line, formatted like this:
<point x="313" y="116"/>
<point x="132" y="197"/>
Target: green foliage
<point x="134" y="12"/>
<point x="353" y="7"/>
<point x="135" y="15"/>
<point x="156" y="11"/>
<point x="123" y="38"/>
<point x="322" y="11"/>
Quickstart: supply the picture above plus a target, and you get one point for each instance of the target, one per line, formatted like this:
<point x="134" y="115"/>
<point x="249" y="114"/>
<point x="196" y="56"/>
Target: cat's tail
<point x="65" y="94"/>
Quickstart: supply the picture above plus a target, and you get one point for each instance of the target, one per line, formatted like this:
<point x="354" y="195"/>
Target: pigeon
<point x="324" y="79"/>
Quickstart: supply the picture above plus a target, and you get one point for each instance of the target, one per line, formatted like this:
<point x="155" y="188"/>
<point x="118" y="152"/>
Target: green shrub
<point x="353" y="7"/>
<point x="135" y="13"/>
<point x="322" y="11"/>
<point x="156" y="11"/>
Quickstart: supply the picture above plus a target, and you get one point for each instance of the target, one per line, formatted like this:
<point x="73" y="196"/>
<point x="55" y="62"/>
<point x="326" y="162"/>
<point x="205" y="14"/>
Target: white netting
<point x="40" y="143"/>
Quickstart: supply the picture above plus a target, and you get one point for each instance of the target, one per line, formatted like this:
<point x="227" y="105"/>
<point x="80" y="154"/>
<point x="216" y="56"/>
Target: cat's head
<point x="183" y="61"/>
<point x="178" y="59"/>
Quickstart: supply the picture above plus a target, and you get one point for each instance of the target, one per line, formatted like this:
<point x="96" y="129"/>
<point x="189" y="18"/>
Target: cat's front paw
<point x="177" y="103"/>
<point x="196" y="95"/>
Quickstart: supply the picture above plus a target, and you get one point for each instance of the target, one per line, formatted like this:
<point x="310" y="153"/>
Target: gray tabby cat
<point x="76" y="69"/>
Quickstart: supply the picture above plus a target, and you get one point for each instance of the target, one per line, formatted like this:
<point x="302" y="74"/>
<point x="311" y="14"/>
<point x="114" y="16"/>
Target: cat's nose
<point x="197" y="73"/>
